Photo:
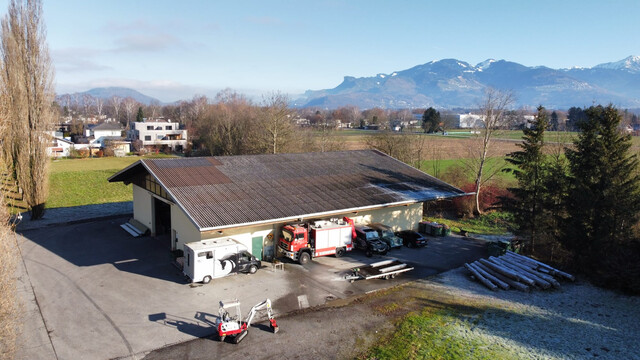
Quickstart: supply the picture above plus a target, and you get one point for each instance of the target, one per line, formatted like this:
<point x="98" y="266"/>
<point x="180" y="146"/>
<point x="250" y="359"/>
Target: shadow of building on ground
<point x="105" y="242"/>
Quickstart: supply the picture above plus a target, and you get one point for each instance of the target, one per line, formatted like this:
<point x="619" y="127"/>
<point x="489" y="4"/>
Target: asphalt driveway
<point x="94" y="292"/>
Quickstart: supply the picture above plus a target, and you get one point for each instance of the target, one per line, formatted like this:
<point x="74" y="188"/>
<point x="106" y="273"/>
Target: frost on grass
<point x="576" y="322"/>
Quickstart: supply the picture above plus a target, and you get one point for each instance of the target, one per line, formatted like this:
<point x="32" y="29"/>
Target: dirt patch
<point x="446" y="148"/>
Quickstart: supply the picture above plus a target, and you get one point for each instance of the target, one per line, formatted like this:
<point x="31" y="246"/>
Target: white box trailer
<point x="210" y="259"/>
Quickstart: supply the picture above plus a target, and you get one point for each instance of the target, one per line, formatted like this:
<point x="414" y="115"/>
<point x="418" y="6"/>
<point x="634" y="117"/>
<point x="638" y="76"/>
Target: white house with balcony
<point x="59" y="147"/>
<point x="159" y="134"/>
<point x="103" y="132"/>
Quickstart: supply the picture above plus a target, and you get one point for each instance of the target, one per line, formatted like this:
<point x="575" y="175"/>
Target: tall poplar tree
<point x="27" y="85"/>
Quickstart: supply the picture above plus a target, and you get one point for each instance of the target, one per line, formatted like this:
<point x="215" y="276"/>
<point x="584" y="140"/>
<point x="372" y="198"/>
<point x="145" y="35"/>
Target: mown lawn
<point x="75" y="182"/>
<point x="436" y="334"/>
<point x="493" y="223"/>
<point x="442" y="166"/>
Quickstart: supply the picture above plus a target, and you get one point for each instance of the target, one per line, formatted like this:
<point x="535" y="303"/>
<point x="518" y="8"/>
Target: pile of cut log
<point x="512" y="270"/>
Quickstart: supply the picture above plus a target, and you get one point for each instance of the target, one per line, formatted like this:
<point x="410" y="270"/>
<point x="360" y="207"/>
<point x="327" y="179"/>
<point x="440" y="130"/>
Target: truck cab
<point x="294" y="240"/>
<point x="368" y="240"/>
<point x="387" y="235"/>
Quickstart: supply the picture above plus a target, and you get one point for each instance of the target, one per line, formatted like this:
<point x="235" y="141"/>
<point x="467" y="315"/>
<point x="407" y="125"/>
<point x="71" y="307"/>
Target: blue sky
<point x="175" y="49"/>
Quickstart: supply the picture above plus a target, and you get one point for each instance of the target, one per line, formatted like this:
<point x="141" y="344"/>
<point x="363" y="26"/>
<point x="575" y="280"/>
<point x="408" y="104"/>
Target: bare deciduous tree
<point x="394" y="145"/>
<point x="354" y="115"/>
<point x="87" y="102"/>
<point x="277" y="123"/>
<point x="116" y="103"/>
<point x="493" y="107"/>
<point x="129" y="104"/>
<point x="154" y="110"/>
<point x="99" y="103"/>
<point x="325" y="138"/>
<point x="226" y="128"/>
<point x="27" y="80"/>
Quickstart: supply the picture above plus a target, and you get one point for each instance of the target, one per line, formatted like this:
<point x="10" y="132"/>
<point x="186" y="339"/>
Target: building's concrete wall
<point x="183" y="230"/>
<point x="244" y="235"/>
<point x="143" y="206"/>
<point x="398" y="217"/>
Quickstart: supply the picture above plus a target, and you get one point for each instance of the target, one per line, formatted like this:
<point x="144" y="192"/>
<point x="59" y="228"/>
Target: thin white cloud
<point x="146" y="43"/>
<point x="142" y="36"/>
<point x="73" y="60"/>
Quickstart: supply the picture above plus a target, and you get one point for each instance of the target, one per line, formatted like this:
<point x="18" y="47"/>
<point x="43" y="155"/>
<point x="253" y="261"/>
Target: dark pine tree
<point x="603" y="202"/>
<point x="140" y="115"/>
<point x="555" y="122"/>
<point x="575" y="116"/>
<point x="528" y="167"/>
<point x="430" y="120"/>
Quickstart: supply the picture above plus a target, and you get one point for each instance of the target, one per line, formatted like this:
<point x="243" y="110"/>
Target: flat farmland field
<point x="437" y="146"/>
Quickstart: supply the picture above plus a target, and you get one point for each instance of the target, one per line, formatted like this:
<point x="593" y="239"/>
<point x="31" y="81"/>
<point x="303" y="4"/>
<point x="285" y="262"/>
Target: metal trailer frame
<point x="386" y="269"/>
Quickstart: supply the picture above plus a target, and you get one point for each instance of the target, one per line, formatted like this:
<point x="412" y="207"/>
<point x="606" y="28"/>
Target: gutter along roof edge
<point x="324" y="213"/>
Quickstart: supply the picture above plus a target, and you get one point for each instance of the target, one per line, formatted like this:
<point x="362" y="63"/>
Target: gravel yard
<point x="578" y="321"/>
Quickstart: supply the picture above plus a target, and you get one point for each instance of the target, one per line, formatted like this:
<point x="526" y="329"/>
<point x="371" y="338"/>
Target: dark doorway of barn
<point x="162" y="217"/>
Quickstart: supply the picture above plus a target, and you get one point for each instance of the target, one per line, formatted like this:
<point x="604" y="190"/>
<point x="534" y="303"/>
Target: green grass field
<point x="434" y="333"/>
<point x="76" y="182"/>
<point x="493" y="223"/>
<point x="442" y="166"/>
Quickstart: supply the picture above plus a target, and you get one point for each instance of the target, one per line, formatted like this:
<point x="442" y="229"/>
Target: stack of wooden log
<point x="516" y="271"/>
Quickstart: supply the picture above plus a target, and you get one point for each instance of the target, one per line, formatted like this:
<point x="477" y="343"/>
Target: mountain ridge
<point x="452" y="83"/>
<point x="108" y="92"/>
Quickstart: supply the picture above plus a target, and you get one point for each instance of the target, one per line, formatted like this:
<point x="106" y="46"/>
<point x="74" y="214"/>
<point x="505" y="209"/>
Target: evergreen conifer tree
<point x="528" y="167"/>
<point x="139" y="115"/>
<point x="430" y="120"/>
<point x="603" y="200"/>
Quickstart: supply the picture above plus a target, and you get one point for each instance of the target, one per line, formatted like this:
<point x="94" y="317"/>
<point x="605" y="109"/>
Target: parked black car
<point x="367" y="239"/>
<point x="412" y="239"/>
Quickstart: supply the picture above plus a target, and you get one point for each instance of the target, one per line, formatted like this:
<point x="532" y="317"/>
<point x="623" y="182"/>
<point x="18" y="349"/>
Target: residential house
<point x="59" y="147"/>
<point x="102" y="132"/>
<point x="159" y="135"/>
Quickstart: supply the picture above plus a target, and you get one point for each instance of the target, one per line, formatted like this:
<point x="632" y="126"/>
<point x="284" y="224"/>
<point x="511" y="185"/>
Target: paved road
<point x="75" y="214"/>
<point x="94" y="292"/>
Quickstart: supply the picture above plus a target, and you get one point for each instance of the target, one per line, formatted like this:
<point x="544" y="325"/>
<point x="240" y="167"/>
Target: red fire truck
<point x="301" y="242"/>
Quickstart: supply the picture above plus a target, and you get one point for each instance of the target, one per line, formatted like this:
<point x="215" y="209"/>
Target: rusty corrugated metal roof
<point x="224" y="191"/>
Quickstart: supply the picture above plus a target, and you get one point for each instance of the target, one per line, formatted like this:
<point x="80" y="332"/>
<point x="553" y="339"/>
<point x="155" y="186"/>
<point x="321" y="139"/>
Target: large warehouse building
<point x="250" y="197"/>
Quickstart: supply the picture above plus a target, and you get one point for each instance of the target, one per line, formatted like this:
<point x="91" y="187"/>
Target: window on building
<point x="168" y="127"/>
<point x="149" y="127"/>
<point x="147" y="138"/>
<point x="154" y="187"/>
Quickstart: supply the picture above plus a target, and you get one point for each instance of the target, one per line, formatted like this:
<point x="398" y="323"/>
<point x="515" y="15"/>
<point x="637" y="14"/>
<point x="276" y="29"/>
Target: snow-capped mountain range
<point x="630" y="64"/>
<point x="452" y="83"/>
